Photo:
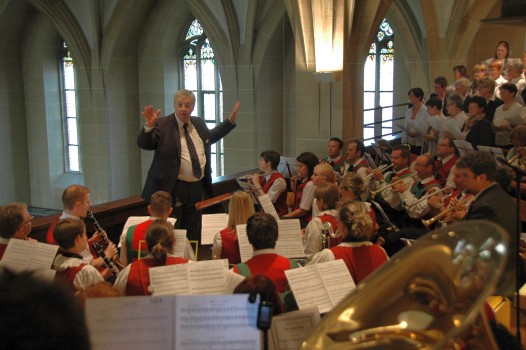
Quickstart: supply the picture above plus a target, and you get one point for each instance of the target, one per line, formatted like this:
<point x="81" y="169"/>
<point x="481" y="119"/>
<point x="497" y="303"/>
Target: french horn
<point x="428" y="296"/>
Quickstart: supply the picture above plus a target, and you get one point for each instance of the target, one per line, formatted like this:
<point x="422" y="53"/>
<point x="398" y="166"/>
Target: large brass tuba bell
<point x="426" y="297"/>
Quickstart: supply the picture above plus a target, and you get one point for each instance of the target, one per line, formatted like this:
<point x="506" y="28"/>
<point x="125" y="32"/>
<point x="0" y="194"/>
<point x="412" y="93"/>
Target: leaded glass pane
<point x="386" y="74"/>
<point x="369" y="75"/>
<point x="190" y="75"/>
<point x="208" y="74"/>
<point x="69" y="76"/>
<point x="368" y="117"/>
<point x="368" y="100"/>
<point x="209" y="107"/>
<point x="73" y="157"/>
<point x="195" y="29"/>
<point x="71" y="103"/>
<point x="72" y="131"/>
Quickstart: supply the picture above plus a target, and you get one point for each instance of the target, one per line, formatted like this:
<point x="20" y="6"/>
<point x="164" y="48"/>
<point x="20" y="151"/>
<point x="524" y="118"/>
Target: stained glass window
<point x="201" y="76"/>
<point x="69" y="108"/>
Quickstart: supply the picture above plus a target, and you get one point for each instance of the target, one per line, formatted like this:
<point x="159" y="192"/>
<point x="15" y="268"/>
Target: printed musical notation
<point x="212" y="224"/>
<point x="29" y="255"/>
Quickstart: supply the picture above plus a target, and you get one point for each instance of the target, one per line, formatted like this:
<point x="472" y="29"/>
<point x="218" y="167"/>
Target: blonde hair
<point x="240" y="209"/>
<point x="480" y="67"/>
<point x="354" y="183"/>
<point x="356" y="218"/>
<point x="325" y="170"/>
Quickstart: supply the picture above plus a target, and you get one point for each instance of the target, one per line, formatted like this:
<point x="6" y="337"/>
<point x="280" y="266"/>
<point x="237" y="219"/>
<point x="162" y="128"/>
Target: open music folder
<point x="289" y="330"/>
<point x="189" y="322"/>
<point x="212" y="224"/>
<point x="320" y="285"/>
<point x="21" y="255"/>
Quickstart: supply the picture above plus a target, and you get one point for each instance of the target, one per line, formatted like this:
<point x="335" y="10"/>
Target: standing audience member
<point x="415" y="120"/>
<point x="487" y="90"/>
<point x="480" y="71"/>
<point x="455" y="123"/>
<point x="135" y="278"/>
<point x="262" y="233"/>
<point x="15" y="222"/>
<point x="181" y="162"/>
<point x="226" y="245"/>
<point x="462" y="87"/>
<point x="271" y="182"/>
<point x="359" y="254"/>
<point x="506" y="115"/>
<point x="478" y="129"/>
<point x="495" y="73"/>
<point x="515" y="76"/>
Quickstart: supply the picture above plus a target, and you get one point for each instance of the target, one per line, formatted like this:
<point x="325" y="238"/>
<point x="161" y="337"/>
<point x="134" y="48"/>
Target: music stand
<point x="287" y="167"/>
<point x="463" y="147"/>
<point x="494" y="151"/>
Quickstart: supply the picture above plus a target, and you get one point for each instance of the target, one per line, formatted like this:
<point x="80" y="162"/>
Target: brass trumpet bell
<point x="424" y="297"/>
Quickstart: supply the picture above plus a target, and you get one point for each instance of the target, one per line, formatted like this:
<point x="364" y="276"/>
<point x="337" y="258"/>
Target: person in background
<point x="272" y="181"/>
<point x="323" y="174"/>
<point x="506" y="115"/>
<point x="225" y="244"/>
<point x="262" y="285"/>
<point x="487" y="90"/>
<point x="455" y="123"/>
<point x="462" y="87"/>
<point x="334" y="154"/>
<point x="495" y="73"/>
<point x="356" y="161"/>
<point x="440" y="87"/>
<point x="480" y="71"/>
<point x="15" y="223"/>
<point x="502" y="52"/>
<point x="415" y="120"/>
<point x="434" y="120"/>
<point x="478" y="129"/>
<point x="515" y="76"/>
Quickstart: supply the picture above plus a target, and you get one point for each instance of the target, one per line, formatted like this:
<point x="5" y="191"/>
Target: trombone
<point x="413" y="176"/>
<point x="382" y="168"/>
<point x="445" y="189"/>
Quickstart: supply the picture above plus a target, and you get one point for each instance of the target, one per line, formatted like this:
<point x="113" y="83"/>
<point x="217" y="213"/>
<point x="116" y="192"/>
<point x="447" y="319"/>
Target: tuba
<point x="428" y="296"/>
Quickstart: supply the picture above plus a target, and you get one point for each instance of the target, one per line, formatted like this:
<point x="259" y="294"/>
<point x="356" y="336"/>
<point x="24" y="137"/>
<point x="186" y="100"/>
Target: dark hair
<point x="359" y="146"/>
<point x="262" y="231"/>
<point x="462" y="70"/>
<point x="11" y="217"/>
<point x="37" y="314"/>
<point x="434" y="102"/>
<point x="272" y="157"/>
<point x="479" y="101"/>
<point x="506" y="45"/>
<point x="510" y="87"/>
<point x="429" y="159"/>
<point x="442" y="81"/>
<point x="479" y="163"/>
<point x="406" y="152"/>
<point x="160" y="240"/>
<point x="340" y="142"/>
<point x="160" y="203"/>
<point x="456" y="100"/>
<point x="417" y="92"/>
<point x="262" y="285"/>
<point x="310" y="160"/>
<point x="66" y="231"/>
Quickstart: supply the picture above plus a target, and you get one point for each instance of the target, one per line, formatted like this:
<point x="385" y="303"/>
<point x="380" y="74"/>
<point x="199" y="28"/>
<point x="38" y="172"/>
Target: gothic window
<point x="69" y="110"/>
<point x="378" y="87"/>
<point x="201" y="76"/>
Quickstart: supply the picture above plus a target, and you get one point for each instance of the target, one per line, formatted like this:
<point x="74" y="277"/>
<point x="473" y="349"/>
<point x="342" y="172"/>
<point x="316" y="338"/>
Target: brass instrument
<point x="327" y="233"/>
<point x="428" y="296"/>
<point x="106" y="240"/>
<point x="427" y="223"/>
<point x="413" y="176"/>
<point x="520" y="158"/>
<point x="423" y="198"/>
<point x="382" y="168"/>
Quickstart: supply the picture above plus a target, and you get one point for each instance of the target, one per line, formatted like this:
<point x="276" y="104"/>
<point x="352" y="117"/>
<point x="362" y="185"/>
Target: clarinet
<point x="113" y="268"/>
<point x="104" y="236"/>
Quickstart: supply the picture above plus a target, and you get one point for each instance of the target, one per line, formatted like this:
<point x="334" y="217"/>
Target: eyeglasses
<point x="443" y="144"/>
<point x="26" y="222"/>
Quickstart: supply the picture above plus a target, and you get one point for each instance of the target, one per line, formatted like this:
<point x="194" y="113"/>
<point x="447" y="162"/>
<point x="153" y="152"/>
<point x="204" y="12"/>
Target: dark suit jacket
<point x="481" y="133"/>
<point x="494" y="204"/>
<point x="165" y="140"/>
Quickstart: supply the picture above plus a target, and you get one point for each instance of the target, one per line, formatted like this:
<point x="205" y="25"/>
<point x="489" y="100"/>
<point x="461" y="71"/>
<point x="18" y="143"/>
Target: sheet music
<point x="337" y="279"/>
<point x="381" y="153"/>
<point x="402" y="127"/>
<point x="463" y="147"/>
<point x="207" y="277"/>
<point x="245" y="248"/>
<point x="170" y="279"/>
<point x="290" y="329"/>
<point x="288" y="167"/>
<point x="370" y="160"/>
<point x="210" y="225"/>
<point x="248" y="188"/>
<point x="180" y="242"/>
<point x="23" y="255"/>
<point x="136" y="220"/>
<point x="495" y="151"/>
<point x="125" y="323"/>
<point x="232" y="281"/>
<point x="289" y="243"/>
<point x="216" y="322"/>
<point x="268" y="206"/>
<point x="383" y="214"/>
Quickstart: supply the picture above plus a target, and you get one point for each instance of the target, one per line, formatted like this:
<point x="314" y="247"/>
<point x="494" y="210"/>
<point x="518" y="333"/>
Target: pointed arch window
<point x="201" y="75"/>
<point x="69" y="110"/>
<point x="378" y="87"/>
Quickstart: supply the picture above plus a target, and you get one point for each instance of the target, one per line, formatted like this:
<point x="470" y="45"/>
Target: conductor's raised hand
<point x="232" y="117"/>
<point x="150" y="116"/>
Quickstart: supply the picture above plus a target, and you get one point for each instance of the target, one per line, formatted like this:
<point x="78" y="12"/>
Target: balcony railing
<point x="378" y="124"/>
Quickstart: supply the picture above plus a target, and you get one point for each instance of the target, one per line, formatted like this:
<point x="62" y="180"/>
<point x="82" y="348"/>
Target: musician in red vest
<point x="70" y="234"/>
<point x="76" y="201"/>
<point x="360" y="255"/>
<point x="355" y="161"/>
<point x="15" y="222"/>
<point x="334" y="154"/>
<point x="446" y="161"/>
<point x="160" y="241"/>
<point x="327" y="197"/>
<point x="262" y="233"/>
<point x="271" y="182"/>
<point x="322" y="174"/>
<point x="160" y="207"/>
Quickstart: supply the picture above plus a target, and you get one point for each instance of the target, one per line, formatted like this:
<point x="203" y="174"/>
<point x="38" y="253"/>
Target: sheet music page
<point x="290" y="329"/>
<point x="288" y="167"/>
<point x="170" y="279"/>
<point x="308" y="288"/>
<point x="125" y="323"/>
<point x="232" y="281"/>
<point x="463" y="147"/>
<point x="180" y="242"/>
<point x="337" y="279"/>
<point x="207" y="277"/>
<point x="248" y="188"/>
<point x="289" y="243"/>
<point x="268" y="206"/>
<point x="497" y="152"/>
<point x="212" y="224"/>
<point x="136" y="220"/>
<point x="28" y="255"/>
<point x="245" y="248"/>
<point x="216" y="322"/>
<point x="402" y="127"/>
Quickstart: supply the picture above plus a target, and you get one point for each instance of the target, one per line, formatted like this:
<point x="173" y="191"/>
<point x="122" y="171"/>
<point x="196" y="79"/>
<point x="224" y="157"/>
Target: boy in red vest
<point x="271" y="182"/>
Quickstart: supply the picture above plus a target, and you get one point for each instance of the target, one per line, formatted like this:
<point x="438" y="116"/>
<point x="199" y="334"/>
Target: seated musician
<point x="327" y="196"/>
<point x="352" y="188"/>
<point x="70" y="234"/>
<point x="272" y="182"/>
<point x="15" y="222"/>
<point x="160" y="208"/>
<point x="160" y="241"/>
<point x="400" y="159"/>
<point x="334" y="154"/>
<point x="517" y="156"/>
<point x="447" y="159"/>
<point x="322" y="174"/>
<point x="76" y="201"/>
<point x="262" y="233"/>
<point x="355" y="161"/>
<point x="359" y="254"/>
<point x="304" y="190"/>
<point x="262" y="285"/>
<point x="226" y="245"/>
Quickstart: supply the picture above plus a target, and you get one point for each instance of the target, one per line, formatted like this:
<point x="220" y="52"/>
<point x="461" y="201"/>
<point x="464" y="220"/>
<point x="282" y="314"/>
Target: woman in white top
<point x="415" y="120"/>
<point x="508" y="115"/>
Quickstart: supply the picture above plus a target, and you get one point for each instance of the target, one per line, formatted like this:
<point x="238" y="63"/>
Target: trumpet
<point x="382" y="168"/>
<point x="413" y="176"/>
<point x="461" y="204"/>
<point x="445" y="189"/>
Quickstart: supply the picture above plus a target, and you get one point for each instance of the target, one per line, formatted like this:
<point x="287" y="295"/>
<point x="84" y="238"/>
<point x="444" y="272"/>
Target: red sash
<point x="139" y="276"/>
<point x="360" y="261"/>
<point x="230" y="246"/>
<point x="49" y="235"/>
<point x="281" y="202"/>
<point x="297" y="201"/>
<point x="442" y="170"/>
<point x="2" y="250"/>
<point x="69" y="274"/>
